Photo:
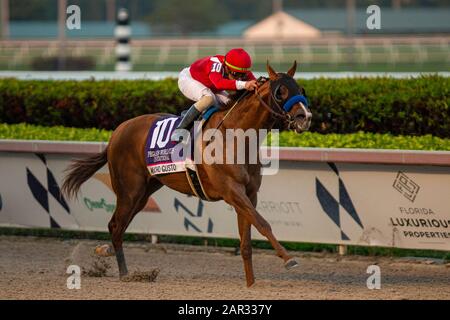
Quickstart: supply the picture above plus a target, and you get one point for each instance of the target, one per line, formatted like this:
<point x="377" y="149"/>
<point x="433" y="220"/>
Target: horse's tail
<point x="81" y="170"/>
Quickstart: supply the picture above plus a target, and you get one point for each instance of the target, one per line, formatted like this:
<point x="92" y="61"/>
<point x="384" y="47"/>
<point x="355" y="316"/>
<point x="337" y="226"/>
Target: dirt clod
<point x="141" y="276"/>
<point x="99" y="268"/>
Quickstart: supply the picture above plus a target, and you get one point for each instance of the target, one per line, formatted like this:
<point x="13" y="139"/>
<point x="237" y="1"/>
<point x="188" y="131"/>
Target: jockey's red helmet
<point x="238" y="60"/>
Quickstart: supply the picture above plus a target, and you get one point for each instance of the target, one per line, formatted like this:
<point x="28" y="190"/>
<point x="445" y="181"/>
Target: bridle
<point x="281" y="113"/>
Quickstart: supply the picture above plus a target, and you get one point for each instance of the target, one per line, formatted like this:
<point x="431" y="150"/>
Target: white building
<point x="281" y="25"/>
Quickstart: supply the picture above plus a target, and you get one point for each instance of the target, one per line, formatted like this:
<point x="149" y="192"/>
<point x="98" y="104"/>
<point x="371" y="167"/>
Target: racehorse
<point x="274" y="103"/>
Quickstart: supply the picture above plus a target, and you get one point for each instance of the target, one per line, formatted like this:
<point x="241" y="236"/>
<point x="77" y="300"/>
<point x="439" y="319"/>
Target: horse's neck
<point x="249" y="114"/>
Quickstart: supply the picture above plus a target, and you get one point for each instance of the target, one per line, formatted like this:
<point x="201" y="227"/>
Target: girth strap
<point x="196" y="184"/>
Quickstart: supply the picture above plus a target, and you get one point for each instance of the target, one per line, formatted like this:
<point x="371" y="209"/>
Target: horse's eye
<point x="277" y="94"/>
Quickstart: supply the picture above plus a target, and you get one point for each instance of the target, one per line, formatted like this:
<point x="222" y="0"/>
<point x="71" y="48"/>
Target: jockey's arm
<point x="220" y="83"/>
<point x="251" y="76"/>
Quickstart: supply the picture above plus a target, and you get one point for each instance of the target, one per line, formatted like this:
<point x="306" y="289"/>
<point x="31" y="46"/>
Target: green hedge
<point x="416" y="106"/>
<point x="288" y="139"/>
<point x="85" y="104"/>
<point x="34" y="132"/>
<point x="365" y="140"/>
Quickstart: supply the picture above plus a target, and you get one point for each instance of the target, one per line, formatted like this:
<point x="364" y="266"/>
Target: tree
<point x="46" y="10"/>
<point x="91" y="10"/>
<point x="249" y="9"/>
<point x="184" y="17"/>
<point x="42" y="10"/>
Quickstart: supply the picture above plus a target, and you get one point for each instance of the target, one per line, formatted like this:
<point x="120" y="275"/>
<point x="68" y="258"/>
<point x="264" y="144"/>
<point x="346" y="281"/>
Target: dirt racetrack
<point x="35" y="268"/>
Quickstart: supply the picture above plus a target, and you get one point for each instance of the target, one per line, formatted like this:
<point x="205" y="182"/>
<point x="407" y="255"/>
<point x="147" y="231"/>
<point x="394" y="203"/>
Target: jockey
<point x="206" y="80"/>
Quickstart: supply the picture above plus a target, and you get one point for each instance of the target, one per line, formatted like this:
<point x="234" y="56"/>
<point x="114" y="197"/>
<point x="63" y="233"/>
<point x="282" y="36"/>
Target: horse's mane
<point x="241" y="94"/>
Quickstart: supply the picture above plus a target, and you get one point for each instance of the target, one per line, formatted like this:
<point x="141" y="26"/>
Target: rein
<point x="281" y="115"/>
<point x="228" y="112"/>
<point x="231" y="109"/>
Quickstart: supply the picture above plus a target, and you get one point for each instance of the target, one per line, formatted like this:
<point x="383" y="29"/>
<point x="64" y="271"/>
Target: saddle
<point x="205" y="115"/>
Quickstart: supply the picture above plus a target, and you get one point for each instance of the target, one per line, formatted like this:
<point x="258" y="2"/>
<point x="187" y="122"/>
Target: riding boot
<point x="186" y="123"/>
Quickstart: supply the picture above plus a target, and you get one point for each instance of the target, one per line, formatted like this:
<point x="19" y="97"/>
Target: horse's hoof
<point x="104" y="250"/>
<point x="125" y="277"/>
<point x="290" y="264"/>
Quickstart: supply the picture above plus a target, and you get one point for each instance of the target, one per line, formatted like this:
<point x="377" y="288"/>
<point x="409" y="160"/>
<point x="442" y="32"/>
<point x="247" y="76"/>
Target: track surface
<point x="34" y="268"/>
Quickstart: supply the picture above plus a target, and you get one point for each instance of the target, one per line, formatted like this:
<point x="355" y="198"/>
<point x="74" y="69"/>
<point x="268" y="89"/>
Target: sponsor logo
<point x="43" y="190"/>
<point x="422" y="211"/>
<point x="421" y="223"/>
<point x="424" y="224"/>
<point x="193" y="219"/>
<point x="284" y="213"/>
<point x="332" y="206"/>
<point x="151" y="205"/>
<point x="101" y="204"/>
<point x="406" y="186"/>
<point x="286" y="207"/>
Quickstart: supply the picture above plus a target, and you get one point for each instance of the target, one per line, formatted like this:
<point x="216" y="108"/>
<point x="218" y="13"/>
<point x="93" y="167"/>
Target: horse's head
<point x="289" y="100"/>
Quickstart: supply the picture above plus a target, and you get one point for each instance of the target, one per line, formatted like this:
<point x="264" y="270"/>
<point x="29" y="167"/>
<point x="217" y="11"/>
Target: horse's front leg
<point x="238" y="198"/>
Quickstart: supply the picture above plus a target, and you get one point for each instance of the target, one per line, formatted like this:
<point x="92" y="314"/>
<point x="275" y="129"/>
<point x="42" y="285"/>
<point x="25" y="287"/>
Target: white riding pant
<point x="195" y="90"/>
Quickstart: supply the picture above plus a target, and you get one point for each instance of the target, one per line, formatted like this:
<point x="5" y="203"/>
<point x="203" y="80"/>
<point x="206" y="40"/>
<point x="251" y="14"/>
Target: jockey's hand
<point x="251" y="85"/>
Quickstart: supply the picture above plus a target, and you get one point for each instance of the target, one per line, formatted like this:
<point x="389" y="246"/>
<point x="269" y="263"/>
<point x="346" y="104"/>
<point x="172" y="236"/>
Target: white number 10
<point x="216" y="67"/>
<point x="162" y="130"/>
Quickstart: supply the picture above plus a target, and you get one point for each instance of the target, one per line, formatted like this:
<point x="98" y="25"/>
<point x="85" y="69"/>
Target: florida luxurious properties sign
<point x="330" y="199"/>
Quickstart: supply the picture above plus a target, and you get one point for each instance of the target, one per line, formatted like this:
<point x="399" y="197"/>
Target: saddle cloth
<point x="164" y="156"/>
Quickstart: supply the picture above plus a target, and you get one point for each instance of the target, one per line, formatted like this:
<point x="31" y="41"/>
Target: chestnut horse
<point x="237" y="184"/>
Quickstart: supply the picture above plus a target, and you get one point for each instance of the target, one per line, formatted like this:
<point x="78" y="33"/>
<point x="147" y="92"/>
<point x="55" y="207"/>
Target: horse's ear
<point x="291" y="71"/>
<point x="271" y="72"/>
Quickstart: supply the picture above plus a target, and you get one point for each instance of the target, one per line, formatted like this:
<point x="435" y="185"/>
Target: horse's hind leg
<point x="130" y="200"/>
<point x="246" y="248"/>
<point x="244" y="227"/>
